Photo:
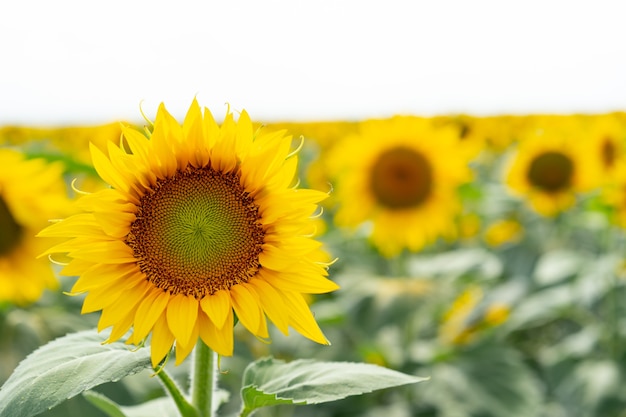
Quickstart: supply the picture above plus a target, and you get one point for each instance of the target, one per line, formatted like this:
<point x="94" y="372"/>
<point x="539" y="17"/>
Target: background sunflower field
<point x="474" y="154"/>
<point x="510" y="301"/>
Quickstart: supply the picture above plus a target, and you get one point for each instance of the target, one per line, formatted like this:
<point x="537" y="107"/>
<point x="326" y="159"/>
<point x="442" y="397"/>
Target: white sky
<point x="81" y="61"/>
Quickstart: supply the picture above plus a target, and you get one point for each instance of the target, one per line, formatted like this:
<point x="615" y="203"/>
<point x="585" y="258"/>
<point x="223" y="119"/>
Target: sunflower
<point x="607" y="141"/>
<point x="321" y="137"/>
<point x="401" y="174"/>
<point x="614" y="194"/>
<point x="550" y="165"/>
<point x="31" y="192"/>
<point x="469" y="315"/>
<point x="201" y="222"/>
<point x="72" y="141"/>
<point x="502" y="232"/>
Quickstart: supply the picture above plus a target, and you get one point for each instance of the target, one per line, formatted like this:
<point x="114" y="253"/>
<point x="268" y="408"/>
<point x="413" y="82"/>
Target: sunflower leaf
<point x="159" y="407"/>
<point x="64" y="368"/>
<point x="269" y="381"/>
<point x="104" y="404"/>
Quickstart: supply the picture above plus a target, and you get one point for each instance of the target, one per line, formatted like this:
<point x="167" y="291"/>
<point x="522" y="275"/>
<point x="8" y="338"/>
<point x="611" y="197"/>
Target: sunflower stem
<point x="185" y="408"/>
<point x="204" y="379"/>
<point x="246" y="412"/>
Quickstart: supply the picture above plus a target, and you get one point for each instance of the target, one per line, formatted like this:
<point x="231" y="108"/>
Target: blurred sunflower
<point x="550" y="165"/>
<point x="614" y="194"/>
<point x="502" y="232"/>
<point x="488" y="133"/>
<point x="68" y="144"/>
<point x="466" y="318"/>
<point x="468" y="225"/>
<point x="321" y="137"/>
<point x="607" y="143"/>
<point x="73" y="141"/>
<point x="402" y="175"/>
<point x="31" y="193"/>
<point x="200" y="220"/>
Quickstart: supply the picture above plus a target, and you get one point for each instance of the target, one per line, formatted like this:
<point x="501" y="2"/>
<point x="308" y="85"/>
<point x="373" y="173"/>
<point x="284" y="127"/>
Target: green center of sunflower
<point x="11" y="231"/>
<point x="551" y="171"/>
<point x="197" y="232"/>
<point x="608" y="152"/>
<point x="401" y="178"/>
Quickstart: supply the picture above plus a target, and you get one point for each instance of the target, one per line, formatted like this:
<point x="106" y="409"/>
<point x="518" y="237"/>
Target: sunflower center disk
<point x="401" y="178"/>
<point x="11" y="231"/>
<point x="609" y="153"/>
<point x="551" y="171"/>
<point x="197" y="232"/>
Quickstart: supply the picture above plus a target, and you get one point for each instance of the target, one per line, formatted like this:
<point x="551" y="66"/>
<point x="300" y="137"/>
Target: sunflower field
<point x="479" y="256"/>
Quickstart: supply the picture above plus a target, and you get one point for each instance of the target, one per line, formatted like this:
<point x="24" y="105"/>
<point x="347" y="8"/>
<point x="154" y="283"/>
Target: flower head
<point x="550" y="166"/>
<point x="401" y="174"/>
<point x="31" y="192"/>
<point x="201" y="222"/>
<point x="607" y="144"/>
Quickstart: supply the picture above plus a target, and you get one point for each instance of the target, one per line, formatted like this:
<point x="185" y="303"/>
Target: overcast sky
<point x="80" y="61"/>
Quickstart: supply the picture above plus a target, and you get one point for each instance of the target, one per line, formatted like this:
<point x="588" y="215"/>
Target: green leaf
<point x="159" y="407"/>
<point x="554" y="266"/>
<point x="104" y="404"/>
<point x="64" y="368"/>
<point x="270" y="382"/>
<point x="254" y="398"/>
<point x="456" y="263"/>
<point x="489" y="380"/>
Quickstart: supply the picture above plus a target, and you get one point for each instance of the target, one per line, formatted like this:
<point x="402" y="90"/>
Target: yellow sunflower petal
<point x="272" y="303"/>
<point x="76" y="267"/>
<point x="138" y="144"/>
<point x="182" y="351"/>
<point x="115" y="226"/>
<point x="217" y="307"/>
<point x="107" y="200"/>
<point x="211" y="129"/>
<point x="77" y="225"/>
<point x="301" y="318"/>
<point x="182" y="312"/>
<point x="243" y="134"/>
<point x="113" y="251"/>
<point x="194" y="130"/>
<point x="125" y="313"/>
<point x="107" y="172"/>
<point x="246" y="307"/>
<point x="103" y="296"/>
<point x="220" y="340"/>
<point x="131" y="169"/>
<point x="162" y="340"/>
<point x="149" y="311"/>
<point x="99" y="275"/>
<point x="163" y="149"/>
<point x="311" y="284"/>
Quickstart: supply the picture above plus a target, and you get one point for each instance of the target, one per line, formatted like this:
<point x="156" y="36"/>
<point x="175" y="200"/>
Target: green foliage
<point x="160" y="407"/>
<point x="490" y="380"/>
<point x="64" y="368"/>
<point x="269" y="381"/>
<point x="102" y="402"/>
